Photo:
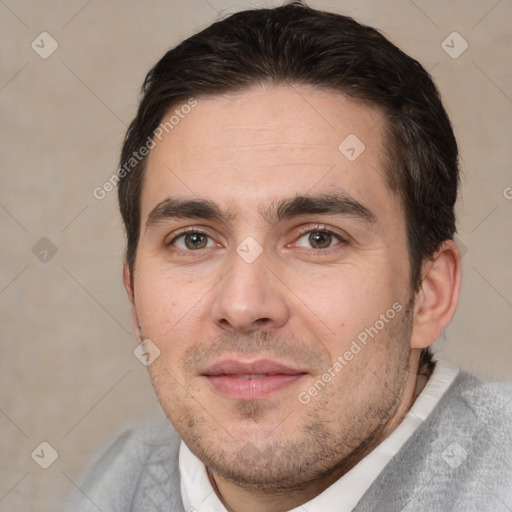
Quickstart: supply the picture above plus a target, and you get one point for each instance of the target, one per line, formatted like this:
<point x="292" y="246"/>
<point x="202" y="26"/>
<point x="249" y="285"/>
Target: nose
<point x="250" y="297"/>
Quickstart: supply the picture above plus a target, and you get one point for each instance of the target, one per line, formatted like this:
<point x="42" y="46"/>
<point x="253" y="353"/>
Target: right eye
<point x="192" y="241"/>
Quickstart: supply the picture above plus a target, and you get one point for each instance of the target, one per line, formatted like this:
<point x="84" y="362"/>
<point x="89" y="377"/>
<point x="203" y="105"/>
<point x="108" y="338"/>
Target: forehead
<point x="245" y="149"/>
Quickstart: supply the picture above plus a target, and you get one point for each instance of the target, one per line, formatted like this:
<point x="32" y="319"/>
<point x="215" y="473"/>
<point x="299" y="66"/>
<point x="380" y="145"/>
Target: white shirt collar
<point x="198" y="494"/>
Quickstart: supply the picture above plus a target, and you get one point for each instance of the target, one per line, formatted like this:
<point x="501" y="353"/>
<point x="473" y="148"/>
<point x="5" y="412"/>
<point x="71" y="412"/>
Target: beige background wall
<point x="68" y="375"/>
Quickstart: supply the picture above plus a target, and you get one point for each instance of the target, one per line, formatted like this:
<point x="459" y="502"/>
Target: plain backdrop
<point x="68" y="374"/>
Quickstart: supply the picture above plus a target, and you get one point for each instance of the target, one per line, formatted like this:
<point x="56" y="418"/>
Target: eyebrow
<point x="332" y="204"/>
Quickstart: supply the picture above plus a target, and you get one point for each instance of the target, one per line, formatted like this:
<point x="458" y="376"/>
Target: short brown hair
<point x="295" y="44"/>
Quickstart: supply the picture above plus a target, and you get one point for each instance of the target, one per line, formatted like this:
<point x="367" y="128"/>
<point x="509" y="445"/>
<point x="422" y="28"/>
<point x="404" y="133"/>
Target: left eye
<point x="318" y="239"/>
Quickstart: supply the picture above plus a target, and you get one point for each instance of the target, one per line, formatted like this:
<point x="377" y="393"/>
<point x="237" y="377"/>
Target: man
<point x="288" y="188"/>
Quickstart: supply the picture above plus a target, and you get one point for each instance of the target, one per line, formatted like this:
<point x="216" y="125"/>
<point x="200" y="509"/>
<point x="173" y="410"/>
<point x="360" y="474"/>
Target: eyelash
<point x="322" y="228"/>
<point x="343" y="239"/>
<point x="186" y="231"/>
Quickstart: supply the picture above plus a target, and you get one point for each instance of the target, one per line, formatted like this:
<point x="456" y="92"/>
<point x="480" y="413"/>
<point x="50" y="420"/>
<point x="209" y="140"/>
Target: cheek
<point x="339" y="304"/>
<point x="168" y="309"/>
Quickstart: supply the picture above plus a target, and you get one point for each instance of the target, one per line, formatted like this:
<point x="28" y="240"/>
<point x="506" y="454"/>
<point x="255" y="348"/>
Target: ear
<point x="128" y="282"/>
<point x="436" y="300"/>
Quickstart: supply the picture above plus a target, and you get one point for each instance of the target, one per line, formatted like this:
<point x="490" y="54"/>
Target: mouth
<point x="252" y="380"/>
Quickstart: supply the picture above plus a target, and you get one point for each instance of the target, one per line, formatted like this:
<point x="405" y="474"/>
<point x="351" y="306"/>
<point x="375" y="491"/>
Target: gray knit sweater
<point x="459" y="459"/>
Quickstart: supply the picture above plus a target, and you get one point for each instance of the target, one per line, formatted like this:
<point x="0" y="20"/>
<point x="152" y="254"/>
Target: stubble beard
<point x="320" y="448"/>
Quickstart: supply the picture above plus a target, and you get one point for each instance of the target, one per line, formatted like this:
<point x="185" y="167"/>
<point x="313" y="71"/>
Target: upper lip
<point x="262" y="366"/>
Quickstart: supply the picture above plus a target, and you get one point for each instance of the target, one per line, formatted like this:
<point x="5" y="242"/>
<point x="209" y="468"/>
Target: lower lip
<point x="251" y="389"/>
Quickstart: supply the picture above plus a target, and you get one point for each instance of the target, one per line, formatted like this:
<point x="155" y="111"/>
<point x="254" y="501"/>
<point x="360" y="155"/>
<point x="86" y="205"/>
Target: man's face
<point x="254" y="296"/>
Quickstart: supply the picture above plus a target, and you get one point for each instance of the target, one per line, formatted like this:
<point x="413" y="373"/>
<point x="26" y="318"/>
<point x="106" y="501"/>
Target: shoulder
<point x="473" y="400"/>
<point x="478" y="443"/>
<point x="458" y="459"/>
<point x="117" y="478"/>
<point x="470" y="445"/>
<point x="477" y="415"/>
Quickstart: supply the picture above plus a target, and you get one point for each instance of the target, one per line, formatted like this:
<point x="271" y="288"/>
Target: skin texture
<point x="299" y="302"/>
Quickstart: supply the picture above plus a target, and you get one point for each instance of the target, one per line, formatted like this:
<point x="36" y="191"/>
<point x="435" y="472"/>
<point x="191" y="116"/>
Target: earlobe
<point x="130" y="291"/>
<point x="436" y="300"/>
